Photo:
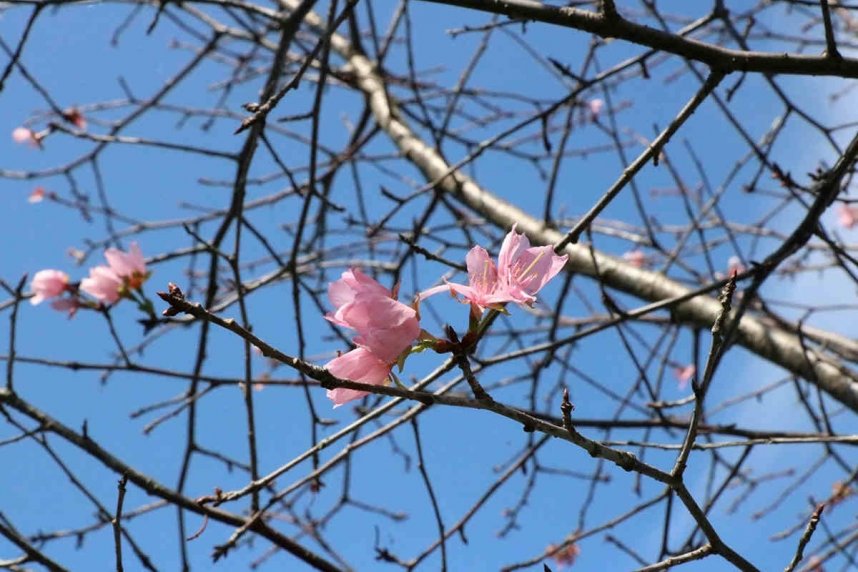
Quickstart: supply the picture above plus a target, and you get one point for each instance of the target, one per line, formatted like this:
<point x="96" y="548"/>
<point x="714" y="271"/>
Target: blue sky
<point x="463" y="448"/>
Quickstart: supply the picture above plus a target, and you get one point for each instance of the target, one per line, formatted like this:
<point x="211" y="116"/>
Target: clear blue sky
<point x="70" y="53"/>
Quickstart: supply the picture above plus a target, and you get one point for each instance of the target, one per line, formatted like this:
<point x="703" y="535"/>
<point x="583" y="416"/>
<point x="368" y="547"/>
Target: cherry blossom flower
<point x="847" y="215"/>
<point x="129" y="265"/>
<point x="524" y="270"/>
<point x="484" y="289"/>
<point x="342" y="292"/>
<point x="359" y="365"/>
<point x="124" y="271"/>
<point x="48" y="284"/>
<point x="37" y="196"/>
<point x="521" y="272"/>
<point x="102" y="284"/>
<point x="684" y="374"/>
<point x="636" y="258"/>
<point x="385" y="328"/>
<point x="25" y="136"/>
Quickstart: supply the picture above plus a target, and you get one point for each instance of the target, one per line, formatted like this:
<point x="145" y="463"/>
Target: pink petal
<point x="535" y="267"/>
<point x="513" y="246"/>
<point x="102" y="284"/>
<point x="343" y="291"/>
<point x="447" y="287"/>
<point x="48" y="284"/>
<point x="482" y="272"/>
<point x="385" y="327"/>
<point x="358" y="365"/>
<point x="69" y="305"/>
<point x="126" y="264"/>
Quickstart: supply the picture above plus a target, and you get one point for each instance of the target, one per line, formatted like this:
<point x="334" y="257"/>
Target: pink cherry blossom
<point x="48" y="284"/>
<point x="595" y="106"/>
<point x="684" y="374"/>
<point x="484" y="289"/>
<point x="129" y="265"/>
<point x="385" y="328"/>
<point x="521" y="272"/>
<point x="25" y="137"/>
<point x="343" y="291"/>
<point x="636" y="258"/>
<point x="524" y="270"/>
<point x="847" y="215"/>
<point x="103" y="284"/>
<point x="359" y="365"/>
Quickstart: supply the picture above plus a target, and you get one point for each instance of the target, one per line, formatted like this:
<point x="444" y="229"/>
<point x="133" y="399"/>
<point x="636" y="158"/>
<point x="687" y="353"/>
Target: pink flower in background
<point x="565" y="556"/>
<point x="385" y="328"/>
<point x="48" y="284"/>
<point x="102" y="284"/>
<point x="684" y="374"/>
<point x="847" y="215"/>
<point x="124" y="270"/>
<point x="595" y="106"/>
<point x="25" y="136"/>
<point x="523" y="270"/>
<point x="37" y="196"/>
<point x="636" y="258"/>
<point x="359" y="365"/>
<point x="129" y="265"/>
<point x="69" y="305"/>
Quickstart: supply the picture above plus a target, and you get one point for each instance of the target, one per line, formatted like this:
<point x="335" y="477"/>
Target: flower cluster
<point x="124" y="273"/>
<point x="387" y="328"/>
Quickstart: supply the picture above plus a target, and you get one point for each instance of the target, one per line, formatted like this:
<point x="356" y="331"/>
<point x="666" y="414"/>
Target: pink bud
<point x="595" y="106"/>
<point x="37" y="196"/>
<point x="25" y="136"/>
<point x="359" y="365"/>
